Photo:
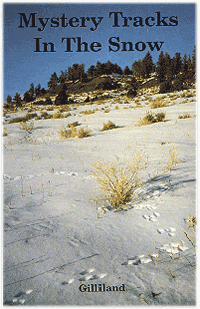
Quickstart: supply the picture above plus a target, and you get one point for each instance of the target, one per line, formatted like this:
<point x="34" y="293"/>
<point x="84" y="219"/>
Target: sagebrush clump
<point x="184" y="116"/>
<point x="173" y="159"/>
<point x="192" y="221"/>
<point x="118" y="180"/>
<point x="73" y="132"/>
<point x="57" y="115"/>
<point x="27" y="126"/>
<point x="151" y="118"/>
<point x="109" y="126"/>
<point x="158" y="103"/>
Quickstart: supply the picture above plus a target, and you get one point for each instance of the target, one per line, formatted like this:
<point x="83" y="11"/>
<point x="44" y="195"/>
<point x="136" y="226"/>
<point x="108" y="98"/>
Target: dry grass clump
<point x="173" y="159"/>
<point x="24" y="125"/>
<point x="89" y="111"/>
<point x="50" y="108"/>
<point x="57" y="115"/>
<point x="187" y="94"/>
<point x="83" y="133"/>
<point x="184" y="116"/>
<point x="109" y="126"/>
<point x="38" y="118"/>
<point x="65" y="108"/>
<point x="151" y="118"/>
<point x="4" y="132"/>
<point x="25" y="118"/>
<point x="72" y="132"/>
<point x="192" y="221"/>
<point x="73" y="124"/>
<point x="45" y="115"/>
<point x="158" y="103"/>
<point x="68" y="133"/>
<point x="119" y="180"/>
<point x="67" y="115"/>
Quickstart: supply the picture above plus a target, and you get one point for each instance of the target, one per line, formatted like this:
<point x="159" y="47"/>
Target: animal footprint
<point x="90" y="270"/>
<point x="17" y="298"/>
<point x="146" y="217"/>
<point x="86" y="277"/>
<point x="145" y="260"/>
<point x="138" y="259"/>
<point x="68" y="282"/>
<point x="160" y="231"/>
<point x="173" y="248"/>
<point x="72" y="174"/>
<point x="151" y="217"/>
<point x="171" y="231"/>
<point x="156" y="214"/>
<point x="101" y="275"/>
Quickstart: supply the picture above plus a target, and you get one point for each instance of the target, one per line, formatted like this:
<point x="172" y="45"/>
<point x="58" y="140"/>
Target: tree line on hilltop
<point x="173" y="74"/>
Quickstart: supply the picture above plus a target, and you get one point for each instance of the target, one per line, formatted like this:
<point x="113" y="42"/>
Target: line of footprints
<point x="154" y="218"/>
<point x="170" y="248"/>
<point x="20" y="298"/>
<point x="86" y="275"/>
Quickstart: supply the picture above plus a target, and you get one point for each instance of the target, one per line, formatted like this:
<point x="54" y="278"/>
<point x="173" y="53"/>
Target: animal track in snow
<point x="87" y="271"/>
<point x="86" y="275"/>
<point x="92" y="277"/>
<point x="138" y="259"/>
<point x="173" y="247"/>
<point x="72" y="174"/>
<point x="171" y="231"/>
<point x="152" y="217"/>
<point x="68" y="282"/>
<point x="17" y="300"/>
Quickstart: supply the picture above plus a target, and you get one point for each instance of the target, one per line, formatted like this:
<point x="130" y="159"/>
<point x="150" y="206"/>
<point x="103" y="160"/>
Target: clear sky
<point x="23" y="65"/>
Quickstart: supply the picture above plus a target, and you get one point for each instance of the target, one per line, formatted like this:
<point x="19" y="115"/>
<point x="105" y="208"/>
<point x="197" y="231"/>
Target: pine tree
<point x="81" y="73"/>
<point x="17" y="99"/>
<point x="53" y="83"/>
<point x="160" y="68"/>
<point x="91" y="71"/>
<point x="62" y="97"/>
<point x="37" y="90"/>
<point x="147" y="65"/>
<point x="184" y="67"/>
<point x="137" y="69"/>
<point x="194" y="61"/>
<point x="127" y="71"/>
<point x="168" y="67"/>
<point x="108" y="68"/>
<point x="117" y="69"/>
<point x="99" y="69"/>
<point x="177" y="63"/>
<point x="63" y="77"/>
<point x="27" y="97"/>
<point x="31" y="91"/>
<point x="9" y="100"/>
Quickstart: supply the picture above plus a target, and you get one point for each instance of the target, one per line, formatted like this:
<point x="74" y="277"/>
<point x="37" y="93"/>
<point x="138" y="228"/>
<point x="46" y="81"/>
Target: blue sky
<point x="23" y="66"/>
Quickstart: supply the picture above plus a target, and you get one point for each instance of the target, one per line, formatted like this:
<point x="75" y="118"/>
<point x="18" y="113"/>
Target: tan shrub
<point x="28" y="126"/>
<point x="158" y="103"/>
<point x="184" y="116"/>
<point x="109" y="126"/>
<point x="119" y="180"/>
<point x="57" y="115"/>
<point x="151" y="118"/>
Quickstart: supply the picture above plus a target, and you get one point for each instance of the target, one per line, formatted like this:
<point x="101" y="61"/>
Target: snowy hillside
<point x="61" y="237"/>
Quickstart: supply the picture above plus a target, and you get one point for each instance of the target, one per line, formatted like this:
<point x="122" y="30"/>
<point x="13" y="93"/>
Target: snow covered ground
<point x="55" y="237"/>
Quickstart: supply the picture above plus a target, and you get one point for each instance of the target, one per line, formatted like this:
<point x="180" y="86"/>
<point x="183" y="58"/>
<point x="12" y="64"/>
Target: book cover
<point x="99" y="154"/>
